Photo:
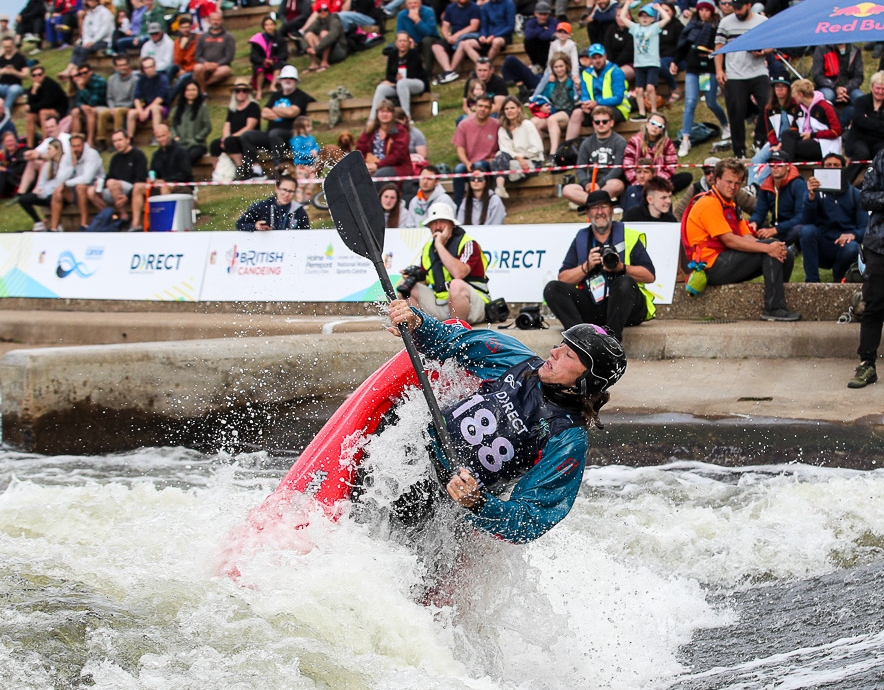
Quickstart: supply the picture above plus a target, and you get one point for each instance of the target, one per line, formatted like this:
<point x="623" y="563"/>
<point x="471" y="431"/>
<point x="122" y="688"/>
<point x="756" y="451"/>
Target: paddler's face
<point x="562" y="367"/>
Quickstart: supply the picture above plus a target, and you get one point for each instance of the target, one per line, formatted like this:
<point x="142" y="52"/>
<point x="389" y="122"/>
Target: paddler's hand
<point x="464" y="489"/>
<point x="400" y="312"/>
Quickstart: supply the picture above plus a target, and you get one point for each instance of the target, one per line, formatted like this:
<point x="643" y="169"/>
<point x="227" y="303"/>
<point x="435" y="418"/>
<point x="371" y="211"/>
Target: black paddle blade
<point x="355" y="207"/>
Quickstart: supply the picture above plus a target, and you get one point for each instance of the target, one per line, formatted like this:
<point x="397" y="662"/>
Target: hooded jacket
<point x="823" y="78"/>
<point x="289" y="217"/>
<point x="783" y="206"/>
<point x="821" y="120"/>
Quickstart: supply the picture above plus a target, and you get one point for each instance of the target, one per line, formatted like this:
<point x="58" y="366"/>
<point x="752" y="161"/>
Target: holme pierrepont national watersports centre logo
<point x="861" y="17"/>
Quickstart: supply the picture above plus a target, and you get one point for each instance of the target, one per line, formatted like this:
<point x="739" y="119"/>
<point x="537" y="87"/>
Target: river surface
<point x="685" y="575"/>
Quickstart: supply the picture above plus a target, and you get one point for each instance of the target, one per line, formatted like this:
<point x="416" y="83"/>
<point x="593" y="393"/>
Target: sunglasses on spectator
<point x="82" y="72"/>
<point x="601" y="122"/>
<point x="242" y="89"/>
<point x="658" y="125"/>
<point x="38" y="74"/>
<point x="483" y="61"/>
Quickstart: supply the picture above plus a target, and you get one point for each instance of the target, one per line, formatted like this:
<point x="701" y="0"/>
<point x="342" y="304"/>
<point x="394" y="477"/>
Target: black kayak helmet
<point x="602" y="354"/>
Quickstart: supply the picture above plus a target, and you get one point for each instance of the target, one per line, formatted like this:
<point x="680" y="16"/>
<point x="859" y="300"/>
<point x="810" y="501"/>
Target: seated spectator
<point x="600" y="16"/>
<point x="838" y="73"/>
<point x="653" y="142"/>
<point x="279" y="212"/>
<point x="481" y="206"/>
<point x="656" y="203"/>
<point x="5" y="31"/>
<point x="86" y="168"/>
<point x="716" y="235"/>
<point x="12" y="164"/>
<point x="13" y="70"/>
<point x="159" y="47"/>
<point x="6" y="123"/>
<point x="495" y="30"/>
<point x="91" y="95"/>
<point x="834" y="226"/>
<point x="120" y="96"/>
<point x="191" y="123"/>
<point x="126" y="180"/>
<point x="553" y="116"/>
<point x="635" y="193"/>
<point x="280" y="111"/>
<point x="153" y="14"/>
<point x="122" y="28"/>
<point x="183" y="57"/>
<point x="243" y="115"/>
<point x="745" y="201"/>
<point x="779" y="117"/>
<point x="405" y="76"/>
<point x="780" y="206"/>
<point x="305" y="156"/>
<point x="866" y="135"/>
<point x="460" y="21"/>
<point x="269" y="52"/>
<point x="817" y="129"/>
<point x="200" y="11"/>
<point x="384" y="144"/>
<point x="419" y="23"/>
<point x="137" y="33"/>
<point x="429" y="192"/>
<point x="476" y="142"/>
<point x="603" y="84"/>
<point x="540" y="31"/>
<point x="151" y="97"/>
<point x="46" y="99"/>
<point x="604" y="152"/>
<point x="170" y="162"/>
<point x="294" y="15"/>
<point x="456" y="286"/>
<point x="53" y="174"/>
<point x="96" y="34"/>
<point x="520" y="148"/>
<point x="495" y="86"/>
<point x="393" y="205"/>
<point x="61" y="20"/>
<point x="562" y="44"/>
<point x="591" y="290"/>
<point x="326" y="39"/>
<point x="29" y="22"/>
<point x="214" y="54"/>
<point x="38" y="156"/>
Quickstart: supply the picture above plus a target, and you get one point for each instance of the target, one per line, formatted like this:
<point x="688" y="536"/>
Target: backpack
<point x="704" y="131"/>
<point x="566" y="154"/>
<point x="107" y="220"/>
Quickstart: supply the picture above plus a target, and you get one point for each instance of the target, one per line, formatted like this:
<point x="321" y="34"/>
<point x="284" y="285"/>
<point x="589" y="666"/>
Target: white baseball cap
<point x="289" y="72"/>
<point x="440" y="211"/>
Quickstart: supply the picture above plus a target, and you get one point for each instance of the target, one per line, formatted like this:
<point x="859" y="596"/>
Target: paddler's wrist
<point x="481" y="499"/>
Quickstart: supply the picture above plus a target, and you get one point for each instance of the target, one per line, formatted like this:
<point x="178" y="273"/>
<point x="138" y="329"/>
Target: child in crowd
<point x="646" y="37"/>
<point x="305" y="149"/>
<point x="475" y="88"/>
<point x="632" y="197"/>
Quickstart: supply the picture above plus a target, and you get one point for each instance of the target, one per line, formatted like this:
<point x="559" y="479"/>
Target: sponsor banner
<point x="132" y="266"/>
<point x="12" y="281"/>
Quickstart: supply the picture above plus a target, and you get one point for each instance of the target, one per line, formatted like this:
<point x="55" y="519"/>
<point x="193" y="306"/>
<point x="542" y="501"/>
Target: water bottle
<point x="99" y="185"/>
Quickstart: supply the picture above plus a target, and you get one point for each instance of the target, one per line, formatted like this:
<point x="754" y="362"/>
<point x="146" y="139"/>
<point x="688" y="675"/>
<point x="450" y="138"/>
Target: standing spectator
<point x="215" y="51"/>
<point x="746" y="76"/>
<point x="269" y="52"/>
<point x="405" y="76"/>
<point x="384" y="144"/>
<point x="12" y="164"/>
<point x="419" y="23"/>
<point x="183" y="57"/>
<point x="46" y="99"/>
<point x="669" y="38"/>
<point x="520" y="148"/>
<point x="838" y="73"/>
<point x="13" y="70"/>
<point x="460" y="22"/>
<point x="91" y="94"/>
<point x="120" y="97"/>
<point x="600" y="16"/>
<point x="126" y="179"/>
<point x="480" y="205"/>
<point x="695" y="46"/>
<point x="872" y="200"/>
<point x="603" y="152"/>
<point x="86" y="168"/>
<point x="326" y="39"/>
<point x="305" y="155"/>
<point x="5" y="31"/>
<point x="476" y="142"/>
<point x="653" y="142"/>
<point x="279" y="212"/>
<point x="429" y="192"/>
<point x="655" y="205"/>
<point x="553" y="115"/>
<point x="243" y="115"/>
<point x="170" y="162"/>
<point x="151" y="97"/>
<point x="780" y="203"/>
<point x="159" y="47"/>
<point x="646" y="35"/>
<point x="495" y="31"/>
<point x="97" y="32"/>
<point x="191" y="123"/>
<point x="835" y="223"/>
<point x="495" y="86"/>
<point x="53" y="174"/>
<point x="37" y="157"/>
<point x="817" y="130"/>
<point x="866" y="135"/>
<point x="393" y="205"/>
<point x="779" y="116"/>
<point x="603" y="84"/>
<point x="280" y="111"/>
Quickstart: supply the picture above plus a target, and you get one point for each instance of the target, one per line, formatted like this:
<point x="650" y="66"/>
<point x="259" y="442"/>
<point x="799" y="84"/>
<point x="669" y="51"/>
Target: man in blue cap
<point x="603" y="84"/>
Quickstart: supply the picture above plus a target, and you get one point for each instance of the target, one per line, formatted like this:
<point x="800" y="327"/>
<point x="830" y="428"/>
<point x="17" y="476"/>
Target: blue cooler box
<point x="171" y="213"/>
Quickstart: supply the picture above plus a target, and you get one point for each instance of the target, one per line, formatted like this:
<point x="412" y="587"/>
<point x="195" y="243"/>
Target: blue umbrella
<point x="814" y="23"/>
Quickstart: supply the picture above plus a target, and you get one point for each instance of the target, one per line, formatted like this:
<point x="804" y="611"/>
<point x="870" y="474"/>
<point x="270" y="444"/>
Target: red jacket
<point x="396" y="153"/>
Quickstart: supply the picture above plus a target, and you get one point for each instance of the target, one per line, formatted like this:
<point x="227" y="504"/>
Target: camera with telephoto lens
<point x="610" y="257"/>
<point x="529" y="318"/>
<point x="413" y="274"/>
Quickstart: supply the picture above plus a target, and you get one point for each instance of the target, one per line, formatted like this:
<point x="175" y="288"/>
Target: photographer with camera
<point x="602" y="278"/>
<point x="450" y="283"/>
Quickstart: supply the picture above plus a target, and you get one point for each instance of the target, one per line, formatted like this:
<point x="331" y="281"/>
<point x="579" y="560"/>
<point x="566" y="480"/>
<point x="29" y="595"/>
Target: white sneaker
<point x="58" y="229"/>
<point x="725" y="133"/>
<point x="685" y="148"/>
<point x="39" y="226"/>
<point x="500" y="190"/>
